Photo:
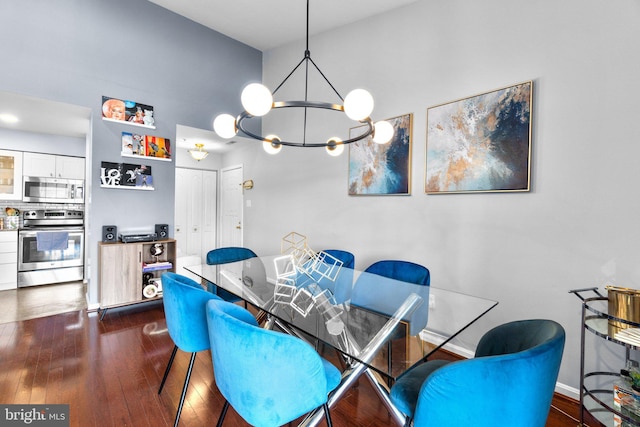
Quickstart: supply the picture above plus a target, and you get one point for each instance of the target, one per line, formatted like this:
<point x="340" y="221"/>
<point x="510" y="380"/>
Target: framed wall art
<point x="382" y="169"/>
<point x="481" y="143"/>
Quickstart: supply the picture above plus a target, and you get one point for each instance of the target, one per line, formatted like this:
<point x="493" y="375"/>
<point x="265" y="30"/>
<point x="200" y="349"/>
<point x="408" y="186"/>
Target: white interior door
<point x="181" y="210"/>
<point x="209" y="218"/>
<point x="231" y="201"/>
<point x="195" y="211"/>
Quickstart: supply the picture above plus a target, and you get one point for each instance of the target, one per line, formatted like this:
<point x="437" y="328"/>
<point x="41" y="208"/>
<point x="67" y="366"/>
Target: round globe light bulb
<point x="256" y="99"/>
<point x="334" y="147"/>
<point x="383" y="132"/>
<point x="225" y="126"/>
<point x="358" y="104"/>
<point x="271" y="145"/>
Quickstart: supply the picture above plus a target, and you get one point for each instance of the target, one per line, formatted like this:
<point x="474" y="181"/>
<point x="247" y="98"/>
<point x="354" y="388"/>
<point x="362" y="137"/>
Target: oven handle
<point x="33" y="231"/>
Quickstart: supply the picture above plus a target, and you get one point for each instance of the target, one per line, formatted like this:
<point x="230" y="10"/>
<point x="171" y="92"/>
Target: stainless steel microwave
<point x="52" y="190"/>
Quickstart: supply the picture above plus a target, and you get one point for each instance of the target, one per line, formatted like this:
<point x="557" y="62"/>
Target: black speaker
<point x="109" y="233"/>
<point x="162" y="231"/>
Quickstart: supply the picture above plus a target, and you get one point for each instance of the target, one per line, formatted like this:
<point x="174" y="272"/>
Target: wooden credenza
<point x="127" y="268"/>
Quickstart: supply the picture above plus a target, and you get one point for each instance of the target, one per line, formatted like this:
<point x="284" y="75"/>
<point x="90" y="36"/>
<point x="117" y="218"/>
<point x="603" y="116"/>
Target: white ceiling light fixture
<point x="199" y="154"/>
<point x="9" y="118"/>
<point x="257" y="101"/>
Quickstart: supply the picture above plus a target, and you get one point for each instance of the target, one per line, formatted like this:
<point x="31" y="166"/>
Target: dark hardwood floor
<point x="109" y="373"/>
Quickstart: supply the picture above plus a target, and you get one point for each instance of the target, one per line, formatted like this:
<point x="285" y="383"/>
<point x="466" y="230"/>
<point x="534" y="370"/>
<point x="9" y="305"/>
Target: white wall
<point x="578" y="225"/>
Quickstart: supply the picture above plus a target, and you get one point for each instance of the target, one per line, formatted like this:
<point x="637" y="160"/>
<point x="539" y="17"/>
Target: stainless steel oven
<point x="50" y="247"/>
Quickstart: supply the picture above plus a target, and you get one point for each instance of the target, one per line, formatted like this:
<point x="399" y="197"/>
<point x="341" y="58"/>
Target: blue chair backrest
<point x="347" y="258"/>
<point x="185" y="312"/>
<point x="513" y="387"/>
<point x="342" y="285"/>
<point x="401" y="270"/>
<point x="229" y="254"/>
<point x="268" y="377"/>
<point x="385" y="296"/>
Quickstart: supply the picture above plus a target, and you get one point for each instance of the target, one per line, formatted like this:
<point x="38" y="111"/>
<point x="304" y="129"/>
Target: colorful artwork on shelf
<point x="481" y="143"/>
<point x="134" y="145"/>
<point x="157" y="147"/>
<point x="381" y="169"/>
<point x="126" y="175"/>
<point x="130" y="112"/>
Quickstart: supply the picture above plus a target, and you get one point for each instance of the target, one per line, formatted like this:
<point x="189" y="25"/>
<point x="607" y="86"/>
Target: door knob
<point x="238" y="227"/>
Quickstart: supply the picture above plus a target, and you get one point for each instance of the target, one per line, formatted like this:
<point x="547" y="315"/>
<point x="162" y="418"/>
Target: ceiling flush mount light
<point x="8" y="118"/>
<point x="257" y="101"/>
<point x="199" y="153"/>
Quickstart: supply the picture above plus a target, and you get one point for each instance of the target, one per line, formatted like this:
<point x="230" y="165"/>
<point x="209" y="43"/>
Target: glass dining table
<point x="380" y="327"/>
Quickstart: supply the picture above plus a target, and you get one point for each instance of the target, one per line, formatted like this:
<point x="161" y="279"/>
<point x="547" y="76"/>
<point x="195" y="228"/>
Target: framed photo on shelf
<point x="130" y="112"/>
<point x="481" y="143"/>
<point x="381" y="169"/>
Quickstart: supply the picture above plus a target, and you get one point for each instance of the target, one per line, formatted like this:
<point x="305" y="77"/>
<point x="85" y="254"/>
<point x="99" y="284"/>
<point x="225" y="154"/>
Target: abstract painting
<point x="481" y="143"/>
<point x="381" y="169"/>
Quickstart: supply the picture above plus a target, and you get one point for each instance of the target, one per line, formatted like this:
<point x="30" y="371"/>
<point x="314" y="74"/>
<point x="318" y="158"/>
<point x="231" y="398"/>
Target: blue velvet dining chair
<point x="268" y="377"/>
<point x="227" y="255"/>
<point x="347" y="258"/>
<point x="381" y="296"/>
<point x="510" y="381"/>
<point x="185" y="312"/>
<point x="341" y="287"/>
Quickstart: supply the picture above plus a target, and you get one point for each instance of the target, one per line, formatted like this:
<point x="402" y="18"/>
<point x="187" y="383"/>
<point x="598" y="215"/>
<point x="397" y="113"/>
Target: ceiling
<point x="261" y="24"/>
<point x="43" y="116"/>
<point x="268" y="24"/>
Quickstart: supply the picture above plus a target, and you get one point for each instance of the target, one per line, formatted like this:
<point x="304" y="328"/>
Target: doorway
<point x="231" y="204"/>
<point x="195" y="212"/>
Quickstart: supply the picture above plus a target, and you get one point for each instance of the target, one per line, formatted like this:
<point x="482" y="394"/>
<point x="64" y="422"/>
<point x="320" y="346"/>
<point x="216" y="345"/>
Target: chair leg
<point x="184" y="389"/>
<point x="166" y="371"/>
<point x="223" y="413"/>
<point x="327" y="415"/>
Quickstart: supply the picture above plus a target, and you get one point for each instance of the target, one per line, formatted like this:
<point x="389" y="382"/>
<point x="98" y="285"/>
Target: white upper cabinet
<point x="10" y="175"/>
<point x="52" y="166"/>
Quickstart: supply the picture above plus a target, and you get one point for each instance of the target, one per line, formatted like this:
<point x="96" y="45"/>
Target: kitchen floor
<point x="40" y="301"/>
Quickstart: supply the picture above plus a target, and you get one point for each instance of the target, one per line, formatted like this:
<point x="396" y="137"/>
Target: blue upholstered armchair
<point x="509" y="382"/>
<point x="227" y="255"/>
<point x="184" y="309"/>
<point x="268" y="377"/>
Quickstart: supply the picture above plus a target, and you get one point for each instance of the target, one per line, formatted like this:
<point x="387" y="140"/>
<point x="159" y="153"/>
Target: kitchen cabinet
<point x="53" y="166"/>
<point x="129" y="272"/>
<point x="10" y="175"/>
<point x="8" y="260"/>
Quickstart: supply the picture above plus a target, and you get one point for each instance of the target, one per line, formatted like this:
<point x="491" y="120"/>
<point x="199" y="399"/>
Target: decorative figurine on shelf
<point x="148" y="118"/>
<point x="156" y="250"/>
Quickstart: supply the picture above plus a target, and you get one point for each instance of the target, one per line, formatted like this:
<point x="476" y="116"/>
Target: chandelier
<point x="257" y="100"/>
<point x="199" y="154"/>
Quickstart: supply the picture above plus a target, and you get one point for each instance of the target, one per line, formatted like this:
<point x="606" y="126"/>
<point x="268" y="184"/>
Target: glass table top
<point x="362" y="315"/>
